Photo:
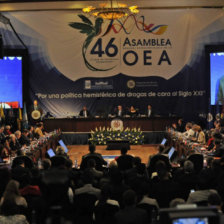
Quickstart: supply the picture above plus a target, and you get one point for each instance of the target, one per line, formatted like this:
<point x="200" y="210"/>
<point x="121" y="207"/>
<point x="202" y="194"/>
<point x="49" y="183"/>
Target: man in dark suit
<point x="130" y="213"/>
<point x="84" y="112"/>
<point x="119" y="111"/>
<point x="149" y="112"/>
<point x="124" y="161"/>
<point x="24" y="140"/>
<point x="93" y="155"/>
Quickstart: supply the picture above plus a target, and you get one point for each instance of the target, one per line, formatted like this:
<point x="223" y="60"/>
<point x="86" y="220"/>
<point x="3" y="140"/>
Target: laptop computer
<point x="163" y="141"/>
<point x="50" y="152"/>
<point x="171" y="152"/>
<point x="63" y="145"/>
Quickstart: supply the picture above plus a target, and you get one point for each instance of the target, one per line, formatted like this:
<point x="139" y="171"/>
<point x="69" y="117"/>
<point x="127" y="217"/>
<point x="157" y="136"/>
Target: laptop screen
<point x="50" y="152"/>
<point x="63" y="145"/>
<point x="191" y="221"/>
<point x="170" y="153"/>
<point x="163" y="142"/>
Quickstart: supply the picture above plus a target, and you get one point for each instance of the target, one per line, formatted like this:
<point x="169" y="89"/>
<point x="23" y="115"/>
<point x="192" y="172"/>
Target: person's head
<point x="12" y="188"/>
<point x="25" y="132"/>
<point x="46" y="164"/>
<point x="180" y="121"/>
<point x="177" y="201"/>
<point x="12" y="137"/>
<point x="18" y="134"/>
<point x="30" y="128"/>
<point x="132" y="108"/>
<point x="60" y="150"/>
<point x="124" y="150"/>
<point x="84" y="108"/>
<point x="188" y="166"/>
<point x="1" y="129"/>
<point x="149" y="107"/>
<point x="40" y="125"/>
<point x="119" y="107"/>
<point x="92" y="148"/>
<point x="7" y="127"/>
<point x="129" y="198"/>
<point x="161" y="169"/>
<point x="214" y="199"/>
<point x="188" y="126"/>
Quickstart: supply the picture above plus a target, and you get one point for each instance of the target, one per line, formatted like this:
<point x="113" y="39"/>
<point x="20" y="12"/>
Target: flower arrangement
<point x="101" y="135"/>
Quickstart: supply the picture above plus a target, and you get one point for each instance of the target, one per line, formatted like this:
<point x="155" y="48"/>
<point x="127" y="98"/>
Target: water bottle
<point x="39" y="164"/>
<point x="76" y="163"/>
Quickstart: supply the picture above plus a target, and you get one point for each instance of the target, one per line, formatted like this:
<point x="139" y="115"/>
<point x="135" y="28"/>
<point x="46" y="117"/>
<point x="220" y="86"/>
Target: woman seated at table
<point x="133" y="112"/>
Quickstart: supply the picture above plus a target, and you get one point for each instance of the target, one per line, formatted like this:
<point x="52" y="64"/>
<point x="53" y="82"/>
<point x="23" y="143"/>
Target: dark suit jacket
<point x="151" y="115"/>
<point x="98" y="159"/>
<point x="24" y="140"/>
<point x="131" y="215"/>
<point x="125" y="162"/>
<point x="82" y="113"/>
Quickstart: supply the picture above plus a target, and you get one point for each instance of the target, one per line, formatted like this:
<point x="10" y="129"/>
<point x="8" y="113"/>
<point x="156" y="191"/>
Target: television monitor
<point x="189" y="214"/>
<point x="61" y="143"/>
<point x="11" y="82"/>
<point x="171" y="152"/>
<point x="163" y="141"/>
<point x="197" y="220"/>
<point x="50" y="152"/>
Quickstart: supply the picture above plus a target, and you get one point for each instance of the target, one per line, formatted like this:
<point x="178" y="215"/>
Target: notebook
<point x="63" y="145"/>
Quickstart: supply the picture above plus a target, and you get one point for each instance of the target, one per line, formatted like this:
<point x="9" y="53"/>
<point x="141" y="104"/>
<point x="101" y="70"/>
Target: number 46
<point x="111" y="49"/>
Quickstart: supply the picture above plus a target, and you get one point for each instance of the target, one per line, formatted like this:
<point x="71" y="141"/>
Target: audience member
<point x="130" y="213"/>
<point x="124" y="161"/>
<point x="100" y="162"/>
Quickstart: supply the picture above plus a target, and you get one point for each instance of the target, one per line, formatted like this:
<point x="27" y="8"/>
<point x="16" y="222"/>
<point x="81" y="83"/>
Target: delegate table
<point x="88" y="124"/>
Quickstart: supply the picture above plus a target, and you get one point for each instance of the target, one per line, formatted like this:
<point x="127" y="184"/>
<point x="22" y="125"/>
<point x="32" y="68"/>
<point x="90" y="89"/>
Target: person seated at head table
<point x="119" y="112"/>
<point x="133" y="112"/>
<point x="84" y="112"/>
<point x="39" y="130"/>
<point x="149" y="112"/>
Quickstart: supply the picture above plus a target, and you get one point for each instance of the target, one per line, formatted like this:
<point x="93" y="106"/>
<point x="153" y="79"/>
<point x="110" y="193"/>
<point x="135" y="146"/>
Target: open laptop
<point x="50" y="152"/>
<point x="163" y="141"/>
<point x="63" y="145"/>
<point x="171" y="153"/>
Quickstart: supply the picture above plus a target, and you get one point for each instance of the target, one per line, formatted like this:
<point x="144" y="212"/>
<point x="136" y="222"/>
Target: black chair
<point x="105" y="213"/>
<point x="155" y="159"/>
<point x="152" y="211"/>
<point x="27" y="161"/>
<point x="83" y="207"/>
<point x="58" y="161"/>
<point x="85" y="160"/>
<point x="198" y="161"/>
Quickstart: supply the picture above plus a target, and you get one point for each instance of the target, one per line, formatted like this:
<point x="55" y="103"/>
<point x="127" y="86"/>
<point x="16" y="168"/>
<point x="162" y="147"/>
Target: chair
<point x="104" y="213"/>
<point x="155" y="159"/>
<point x="198" y="161"/>
<point x="57" y="161"/>
<point x="27" y="160"/>
<point x="84" y="206"/>
<point x="152" y="211"/>
<point x="85" y="160"/>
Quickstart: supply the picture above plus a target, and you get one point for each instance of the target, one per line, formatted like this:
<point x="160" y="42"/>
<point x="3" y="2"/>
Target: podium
<point x="117" y="144"/>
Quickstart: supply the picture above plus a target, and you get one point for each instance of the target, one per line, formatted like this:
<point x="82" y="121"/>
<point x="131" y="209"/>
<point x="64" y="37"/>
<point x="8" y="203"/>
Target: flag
<point x="25" y="117"/>
<point x="19" y="118"/>
<point x="2" y="114"/>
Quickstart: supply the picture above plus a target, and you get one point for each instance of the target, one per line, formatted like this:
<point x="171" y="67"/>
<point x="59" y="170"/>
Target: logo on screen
<point x="109" y="48"/>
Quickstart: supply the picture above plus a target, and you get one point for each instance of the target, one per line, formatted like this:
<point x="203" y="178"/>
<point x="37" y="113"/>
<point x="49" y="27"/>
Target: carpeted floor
<point x="143" y="151"/>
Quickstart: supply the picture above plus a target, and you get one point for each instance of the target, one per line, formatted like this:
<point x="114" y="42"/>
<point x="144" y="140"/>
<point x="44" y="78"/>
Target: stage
<point x="81" y="138"/>
<point x="143" y="151"/>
